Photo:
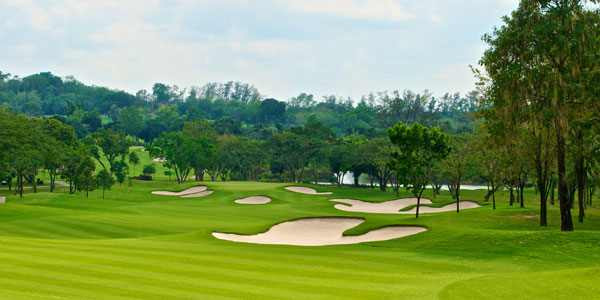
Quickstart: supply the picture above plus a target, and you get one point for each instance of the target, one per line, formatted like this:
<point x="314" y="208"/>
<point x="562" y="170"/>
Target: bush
<point x="149" y="169"/>
<point x="145" y="177"/>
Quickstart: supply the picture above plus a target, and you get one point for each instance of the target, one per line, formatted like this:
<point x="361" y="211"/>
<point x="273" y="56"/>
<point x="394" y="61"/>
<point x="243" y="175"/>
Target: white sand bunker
<point x="386" y="207"/>
<point x="192" y="190"/>
<point x="2" y="200"/>
<point x="195" y="195"/>
<point x="305" y="190"/>
<point x="159" y="159"/>
<point x="394" y="206"/>
<point x="254" y="200"/>
<point x="320" y="232"/>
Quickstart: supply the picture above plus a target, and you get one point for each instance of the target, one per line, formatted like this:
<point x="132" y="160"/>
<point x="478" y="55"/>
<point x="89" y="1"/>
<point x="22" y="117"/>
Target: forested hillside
<point x="232" y="107"/>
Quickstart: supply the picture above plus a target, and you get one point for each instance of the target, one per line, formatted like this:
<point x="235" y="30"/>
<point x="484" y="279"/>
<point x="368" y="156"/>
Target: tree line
<point x="236" y="108"/>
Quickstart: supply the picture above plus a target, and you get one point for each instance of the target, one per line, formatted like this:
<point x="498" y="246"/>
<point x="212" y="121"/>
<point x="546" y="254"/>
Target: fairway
<point x="138" y="245"/>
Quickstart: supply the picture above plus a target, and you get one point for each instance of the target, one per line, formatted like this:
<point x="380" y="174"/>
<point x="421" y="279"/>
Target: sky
<point x="346" y="48"/>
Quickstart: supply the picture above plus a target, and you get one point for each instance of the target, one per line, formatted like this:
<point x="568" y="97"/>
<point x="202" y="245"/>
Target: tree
<point x="272" y="111"/>
<point x="120" y="170"/>
<point x="152" y="129"/>
<point x="457" y="162"/>
<point x="22" y="147"/>
<point x="134" y="160"/>
<point x="92" y="120"/>
<point x="113" y="145"/>
<point x="149" y="169"/>
<point x="378" y="160"/>
<point x="168" y="173"/>
<point x="292" y="151"/>
<point x="545" y="58"/>
<point x="181" y="152"/>
<point x="407" y="107"/>
<point x="104" y="180"/>
<point x="131" y="121"/>
<point x="83" y="178"/>
<point x="419" y="148"/>
<point x="61" y="138"/>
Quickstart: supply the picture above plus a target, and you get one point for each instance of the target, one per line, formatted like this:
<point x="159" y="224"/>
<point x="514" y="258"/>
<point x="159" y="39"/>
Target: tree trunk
<point x="565" y="209"/>
<point x="512" y="196"/>
<point x="458" y="195"/>
<point x="580" y="169"/>
<point x="382" y="183"/>
<point x="552" y="192"/>
<point x="522" y="187"/>
<point x="543" y="186"/>
<point x="52" y="178"/>
<point x="21" y="183"/>
<point x="301" y="175"/>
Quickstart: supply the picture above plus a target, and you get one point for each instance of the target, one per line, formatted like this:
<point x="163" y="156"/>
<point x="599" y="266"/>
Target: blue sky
<point x="283" y="47"/>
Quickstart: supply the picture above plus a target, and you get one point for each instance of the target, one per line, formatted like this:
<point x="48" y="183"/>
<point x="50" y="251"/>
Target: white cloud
<point x="388" y="10"/>
<point x="434" y="18"/>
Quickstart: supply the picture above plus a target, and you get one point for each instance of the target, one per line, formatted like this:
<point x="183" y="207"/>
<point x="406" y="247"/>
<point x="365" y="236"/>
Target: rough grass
<point x="135" y="245"/>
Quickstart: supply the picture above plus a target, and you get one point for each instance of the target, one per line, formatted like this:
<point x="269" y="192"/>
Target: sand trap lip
<point x="394" y="206"/>
<point x="254" y="200"/>
<point x="200" y="194"/>
<point x="320" y="232"/>
<point x="306" y="190"/>
<point x="386" y="207"/>
<point x="192" y="190"/>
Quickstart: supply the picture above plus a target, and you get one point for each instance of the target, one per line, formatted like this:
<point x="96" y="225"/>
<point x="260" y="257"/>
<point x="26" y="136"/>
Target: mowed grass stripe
<point x="105" y="229"/>
<point x="83" y="285"/>
<point x="18" y="289"/>
<point x="224" y="274"/>
<point x="177" y="269"/>
<point x="36" y="229"/>
<point x="324" y="265"/>
<point x="51" y="285"/>
<point x="97" y="275"/>
<point x="311" y="264"/>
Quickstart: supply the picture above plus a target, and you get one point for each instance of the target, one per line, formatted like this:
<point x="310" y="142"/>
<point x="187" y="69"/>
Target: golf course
<point x="138" y="245"/>
<point x="355" y="149"/>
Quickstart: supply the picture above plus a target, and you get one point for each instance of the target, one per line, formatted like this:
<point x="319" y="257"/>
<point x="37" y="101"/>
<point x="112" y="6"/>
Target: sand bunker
<point x="394" y="206"/>
<point x="386" y="207"/>
<point x="2" y="200"/>
<point x="254" y="200"/>
<point x="306" y="190"/>
<point x="201" y="194"/>
<point x="159" y="159"/>
<point x="192" y="190"/>
<point x="320" y="232"/>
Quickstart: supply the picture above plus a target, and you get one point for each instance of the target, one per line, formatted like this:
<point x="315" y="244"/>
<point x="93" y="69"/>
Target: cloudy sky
<point x="283" y="47"/>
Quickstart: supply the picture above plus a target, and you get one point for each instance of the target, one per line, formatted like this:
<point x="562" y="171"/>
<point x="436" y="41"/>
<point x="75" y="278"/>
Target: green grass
<point x="135" y="245"/>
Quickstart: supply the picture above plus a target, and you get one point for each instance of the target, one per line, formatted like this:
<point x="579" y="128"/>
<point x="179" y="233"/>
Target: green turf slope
<point x="135" y="245"/>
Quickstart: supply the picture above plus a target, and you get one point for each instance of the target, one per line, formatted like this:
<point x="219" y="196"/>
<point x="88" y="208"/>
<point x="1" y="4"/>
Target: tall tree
<point x="546" y="57"/>
<point x="104" y="180"/>
<point x="113" y="144"/>
<point x="419" y="148"/>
